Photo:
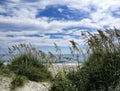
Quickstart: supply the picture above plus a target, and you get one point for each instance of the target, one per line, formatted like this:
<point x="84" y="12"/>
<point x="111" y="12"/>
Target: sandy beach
<point x="56" y="67"/>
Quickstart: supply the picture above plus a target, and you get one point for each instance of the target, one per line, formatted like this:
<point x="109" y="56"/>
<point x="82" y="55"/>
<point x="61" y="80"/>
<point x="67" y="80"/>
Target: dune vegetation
<point x="25" y="63"/>
<point x="100" y="70"/>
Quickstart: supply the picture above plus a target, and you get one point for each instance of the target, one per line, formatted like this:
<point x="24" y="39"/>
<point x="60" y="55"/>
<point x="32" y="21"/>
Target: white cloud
<point x="26" y="14"/>
<point x="60" y="10"/>
<point x="23" y="19"/>
<point x="2" y="9"/>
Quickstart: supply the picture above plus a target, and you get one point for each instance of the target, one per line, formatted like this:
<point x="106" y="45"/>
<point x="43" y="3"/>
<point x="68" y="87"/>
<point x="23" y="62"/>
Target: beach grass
<point x="100" y="69"/>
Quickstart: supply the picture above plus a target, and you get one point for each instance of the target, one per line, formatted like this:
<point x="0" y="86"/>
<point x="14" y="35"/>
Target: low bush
<point x="4" y="70"/>
<point x="62" y="83"/>
<point x="33" y="73"/>
<point x="101" y="71"/>
<point x="18" y="81"/>
<point x="26" y="61"/>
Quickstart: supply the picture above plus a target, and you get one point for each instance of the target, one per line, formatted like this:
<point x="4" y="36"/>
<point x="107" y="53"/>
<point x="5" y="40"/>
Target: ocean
<point x="68" y="58"/>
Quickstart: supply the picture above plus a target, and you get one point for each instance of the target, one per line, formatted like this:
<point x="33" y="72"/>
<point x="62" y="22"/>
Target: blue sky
<point x="45" y="22"/>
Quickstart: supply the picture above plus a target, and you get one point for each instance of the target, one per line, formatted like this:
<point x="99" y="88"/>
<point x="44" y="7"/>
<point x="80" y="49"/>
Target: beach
<point x="56" y="67"/>
<point x="5" y="82"/>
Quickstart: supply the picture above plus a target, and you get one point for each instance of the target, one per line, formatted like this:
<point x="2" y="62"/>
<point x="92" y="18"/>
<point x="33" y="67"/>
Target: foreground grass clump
<point x="18" y="81"/>
<point x="4" y="70"/>
<point x="26" y="61"/>
<point x="97" y="74"/>
<point x="33" y="70"/>
<point x="101" y="71"/>
<point x="62" y="83"/>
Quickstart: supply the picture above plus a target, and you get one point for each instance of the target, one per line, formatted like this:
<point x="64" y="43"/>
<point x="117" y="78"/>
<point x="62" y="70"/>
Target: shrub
<point x="101" y="71"/>
<point x="26" y="61"/>
<point x="33" y="73"/>
<point x="62" y="83"/>
<point x="4" y="70"/>
<point x="18" y="81"/>
<point x="1" y="64"/>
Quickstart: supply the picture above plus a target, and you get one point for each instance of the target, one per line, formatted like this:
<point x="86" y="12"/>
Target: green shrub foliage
<point x="18" y="81"/>
<point x="101" y="71"/>
<point x="26" y="61"/>
<point x="62" y="83"/>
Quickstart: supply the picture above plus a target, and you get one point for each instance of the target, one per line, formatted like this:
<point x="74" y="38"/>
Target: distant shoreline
<point x="61" y="67"/>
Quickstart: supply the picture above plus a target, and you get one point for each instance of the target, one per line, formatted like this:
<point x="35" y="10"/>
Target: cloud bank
<point x="44" y="22"/>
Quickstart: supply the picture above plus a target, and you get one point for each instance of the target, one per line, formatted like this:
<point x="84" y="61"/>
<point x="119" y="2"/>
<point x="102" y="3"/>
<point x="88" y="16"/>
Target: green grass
<point x="33" y="70"/>
<point x="100" y="71"/>
<point x="25" y="62"/>
<point x="18" y="81"/>
<point x="62" y="83"/>
<point x="28" y="62"/>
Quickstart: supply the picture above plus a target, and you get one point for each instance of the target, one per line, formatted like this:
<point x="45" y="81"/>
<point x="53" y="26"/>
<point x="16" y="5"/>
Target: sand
<point x="55" y="68"/>
<point x="5" y="82"/>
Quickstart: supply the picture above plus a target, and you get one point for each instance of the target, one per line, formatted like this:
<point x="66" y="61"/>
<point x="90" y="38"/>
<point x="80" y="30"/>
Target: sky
<point x="45" y="22"/>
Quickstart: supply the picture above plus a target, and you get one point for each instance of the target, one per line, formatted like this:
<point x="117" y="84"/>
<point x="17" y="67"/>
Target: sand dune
<point x="5" y="82"/>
